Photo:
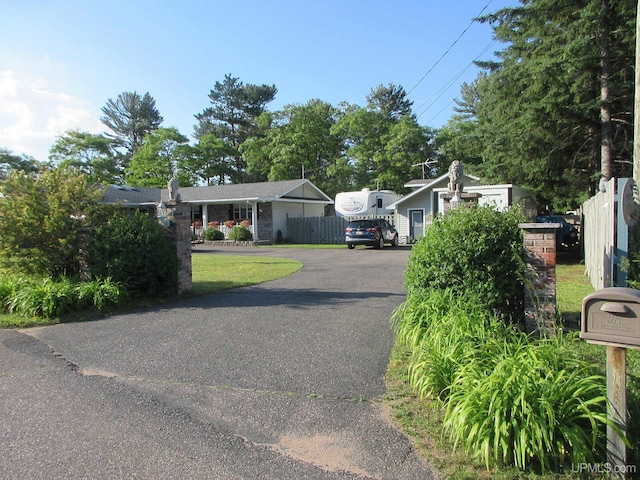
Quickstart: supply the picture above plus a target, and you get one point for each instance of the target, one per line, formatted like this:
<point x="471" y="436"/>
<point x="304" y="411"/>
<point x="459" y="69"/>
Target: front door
<point x="416" y="223"/>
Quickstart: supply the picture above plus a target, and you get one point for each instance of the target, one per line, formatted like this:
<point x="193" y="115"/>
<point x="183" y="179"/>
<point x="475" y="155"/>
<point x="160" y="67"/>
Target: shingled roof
<point x="132" y="196"/>
<point x="301" y="190"/>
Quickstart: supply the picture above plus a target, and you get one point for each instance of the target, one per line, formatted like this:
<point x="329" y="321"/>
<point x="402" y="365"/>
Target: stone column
<point x="540" y="281"/>
<point x="177" y="218"/>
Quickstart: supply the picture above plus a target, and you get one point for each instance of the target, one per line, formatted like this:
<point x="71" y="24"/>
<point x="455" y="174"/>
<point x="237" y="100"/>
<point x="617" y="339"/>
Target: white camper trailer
<point x="365" y="202"/>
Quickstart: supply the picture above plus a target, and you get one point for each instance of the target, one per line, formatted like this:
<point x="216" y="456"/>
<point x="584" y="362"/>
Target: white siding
<point x="418" y="202"/>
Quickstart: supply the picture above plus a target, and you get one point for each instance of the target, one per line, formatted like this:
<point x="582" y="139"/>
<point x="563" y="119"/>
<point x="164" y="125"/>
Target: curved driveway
<point x="281" y="380"/>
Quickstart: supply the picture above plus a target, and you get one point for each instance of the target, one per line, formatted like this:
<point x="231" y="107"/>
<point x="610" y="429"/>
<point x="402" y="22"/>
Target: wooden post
<point x="636" y="106"/>
<point x="617" y="409"/>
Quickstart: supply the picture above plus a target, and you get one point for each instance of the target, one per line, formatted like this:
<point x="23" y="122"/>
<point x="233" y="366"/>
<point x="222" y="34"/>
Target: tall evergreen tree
<point x="130" y="117"/>
<point x="383" y="140"/>
<point x="9" y="162"/>
<point x="232" y="117"/>
<point x="559" y="97"/>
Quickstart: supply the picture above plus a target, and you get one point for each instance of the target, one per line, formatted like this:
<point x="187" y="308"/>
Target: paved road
<point x="278" y="381"/>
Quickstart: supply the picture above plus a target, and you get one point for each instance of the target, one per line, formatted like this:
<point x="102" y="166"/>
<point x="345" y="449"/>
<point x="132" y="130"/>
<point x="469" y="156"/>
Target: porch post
<point x="205" y="217"/>
<point x="254" y="220"/>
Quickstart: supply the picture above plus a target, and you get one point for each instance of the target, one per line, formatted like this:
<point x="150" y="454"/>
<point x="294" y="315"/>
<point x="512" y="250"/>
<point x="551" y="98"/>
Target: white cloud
<point x="31" y="116"/>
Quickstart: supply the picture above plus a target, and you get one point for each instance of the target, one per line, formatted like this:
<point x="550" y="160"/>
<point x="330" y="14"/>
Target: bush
<point x="472" y="250"/>
<point x="136" y="251"/>
<point x="213" y="234"/>
<point x="45" y="220"/>
<point x="509" y="398"/>
<point x="46" y="298"/>
<point x="240" y="234"/>
<point x="100" y="294"/>
<point x="518" y="408"/>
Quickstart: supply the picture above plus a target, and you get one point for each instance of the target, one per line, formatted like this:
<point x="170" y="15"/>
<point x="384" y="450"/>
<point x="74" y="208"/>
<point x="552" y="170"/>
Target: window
<point x="242" y="212"/>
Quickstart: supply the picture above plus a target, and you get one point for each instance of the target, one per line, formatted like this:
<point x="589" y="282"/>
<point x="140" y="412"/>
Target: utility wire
<point x="449" y="49"/>
<point x="451" y="82"/>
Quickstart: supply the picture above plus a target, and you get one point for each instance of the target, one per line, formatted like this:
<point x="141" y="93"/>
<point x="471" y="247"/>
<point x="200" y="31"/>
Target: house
<point x="416" y="210"/>
<point x="266" y="205"/>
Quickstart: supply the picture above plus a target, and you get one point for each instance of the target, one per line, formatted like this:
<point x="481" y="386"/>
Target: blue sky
<point x="61" y="60"/>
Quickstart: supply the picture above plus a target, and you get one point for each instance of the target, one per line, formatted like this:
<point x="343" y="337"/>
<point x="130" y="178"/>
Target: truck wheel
<point x="351" y="246"/>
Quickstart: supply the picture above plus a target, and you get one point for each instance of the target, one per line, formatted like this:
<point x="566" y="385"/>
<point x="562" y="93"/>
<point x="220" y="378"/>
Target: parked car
<point x="566" y="235"/>
<point x="374" y="232"/>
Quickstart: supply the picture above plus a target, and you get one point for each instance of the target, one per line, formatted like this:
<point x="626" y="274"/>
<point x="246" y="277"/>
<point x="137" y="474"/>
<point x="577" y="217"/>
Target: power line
<point x="449" y="49"/>
<point x="451" y="82"/>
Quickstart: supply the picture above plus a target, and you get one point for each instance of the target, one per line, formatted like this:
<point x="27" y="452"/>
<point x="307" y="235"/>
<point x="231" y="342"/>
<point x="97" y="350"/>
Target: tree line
<point x="553" y="113"/>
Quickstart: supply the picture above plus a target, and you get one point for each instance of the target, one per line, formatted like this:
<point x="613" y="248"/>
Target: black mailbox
<point x="612" y="316"/>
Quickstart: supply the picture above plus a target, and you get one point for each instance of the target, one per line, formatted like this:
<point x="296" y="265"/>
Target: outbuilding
<point x="415" y="211"/>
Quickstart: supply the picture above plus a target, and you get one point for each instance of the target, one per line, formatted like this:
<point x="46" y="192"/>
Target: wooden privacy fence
<point x="605" y="236"/>
<point x="323" y="229"/>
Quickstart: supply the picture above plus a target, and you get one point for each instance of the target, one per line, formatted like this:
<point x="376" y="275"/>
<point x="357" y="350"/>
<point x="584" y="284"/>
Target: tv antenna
<point x="427" y="163"/>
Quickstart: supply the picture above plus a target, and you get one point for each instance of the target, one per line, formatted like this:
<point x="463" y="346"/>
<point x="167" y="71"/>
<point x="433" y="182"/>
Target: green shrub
<point x="135" y="251"/>
<point x="9" y="285"/>
<point x="45" y="220"/>
<point x="519" y="409"/>
<point x="510" y="398"/>
<point x="240" y="234"/>
<point x="472" y="250"/>
<point x="44" y="298"/>
<point x="100" y="294"/>
<point x="213" y="234"/>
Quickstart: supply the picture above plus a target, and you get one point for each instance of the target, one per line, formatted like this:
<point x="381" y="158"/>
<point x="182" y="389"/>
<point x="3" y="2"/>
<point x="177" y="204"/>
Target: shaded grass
<point x="572" y="285"/>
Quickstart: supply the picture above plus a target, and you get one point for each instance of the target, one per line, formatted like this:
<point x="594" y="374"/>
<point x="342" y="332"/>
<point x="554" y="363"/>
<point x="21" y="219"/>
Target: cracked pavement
<point x="282" y="380"/>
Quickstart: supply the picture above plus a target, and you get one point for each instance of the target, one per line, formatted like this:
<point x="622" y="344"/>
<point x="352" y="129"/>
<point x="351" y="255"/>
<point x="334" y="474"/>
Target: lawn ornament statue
<point x="455" y="176"/>
<point x="173" y="189"/>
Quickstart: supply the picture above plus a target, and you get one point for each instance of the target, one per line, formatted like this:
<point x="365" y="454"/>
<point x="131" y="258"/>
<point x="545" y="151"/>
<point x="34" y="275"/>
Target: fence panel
<point x="329" y="230"/>
<point x="598" y="236"/>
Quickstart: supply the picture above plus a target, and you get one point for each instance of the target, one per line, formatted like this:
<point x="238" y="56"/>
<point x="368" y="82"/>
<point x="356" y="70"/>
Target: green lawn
<point x="214" y="273"/>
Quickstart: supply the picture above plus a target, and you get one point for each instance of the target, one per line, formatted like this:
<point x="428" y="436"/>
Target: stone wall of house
<point x="540" y="280"/>
<point x="218" y="213"/>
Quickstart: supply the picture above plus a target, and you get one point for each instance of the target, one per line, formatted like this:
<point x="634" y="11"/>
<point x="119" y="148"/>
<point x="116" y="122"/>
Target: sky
<point x="62" y="60"/>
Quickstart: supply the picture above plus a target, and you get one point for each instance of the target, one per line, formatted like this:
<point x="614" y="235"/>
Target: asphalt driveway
<point x="277" y="381"/>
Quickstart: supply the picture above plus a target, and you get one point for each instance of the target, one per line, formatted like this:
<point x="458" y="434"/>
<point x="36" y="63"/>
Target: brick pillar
<point x="178" y="221"/>
<point x="540" y="280"/>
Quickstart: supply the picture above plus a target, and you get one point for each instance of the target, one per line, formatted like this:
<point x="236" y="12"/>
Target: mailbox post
<point x="611" y="317"/>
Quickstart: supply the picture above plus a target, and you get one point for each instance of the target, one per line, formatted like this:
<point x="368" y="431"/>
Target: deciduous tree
<point x="90" y="154"/>
<point x="161" y="157"/>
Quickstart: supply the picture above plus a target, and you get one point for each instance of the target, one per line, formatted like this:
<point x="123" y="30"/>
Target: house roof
<point x="442" y="180"/>
<point x="132" y="196"/>
<point x="286" y="190"/>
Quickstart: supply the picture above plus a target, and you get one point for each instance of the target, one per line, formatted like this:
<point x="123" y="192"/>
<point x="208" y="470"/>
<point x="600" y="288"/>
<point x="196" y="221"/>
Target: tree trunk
<point x="606" y="155"/>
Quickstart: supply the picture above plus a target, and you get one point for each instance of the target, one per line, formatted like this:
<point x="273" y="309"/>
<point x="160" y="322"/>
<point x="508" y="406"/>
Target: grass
<point x="422" y="419"/>
<point x="211" y="274"/>
<point x="214" y="273"/>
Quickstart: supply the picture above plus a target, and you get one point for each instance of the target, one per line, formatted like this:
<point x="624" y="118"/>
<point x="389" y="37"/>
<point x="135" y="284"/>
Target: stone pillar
<point x="540" y="281"/>
<point x="176" y="216"/>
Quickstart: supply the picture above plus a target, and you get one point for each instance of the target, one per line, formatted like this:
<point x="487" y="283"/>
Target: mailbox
<point x="612" y="316"/>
